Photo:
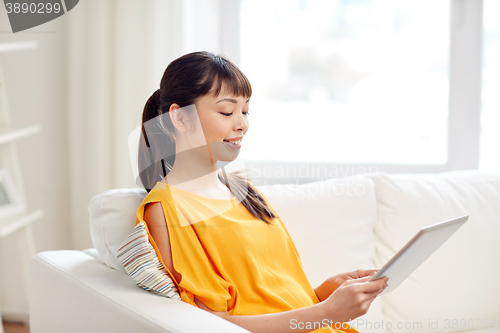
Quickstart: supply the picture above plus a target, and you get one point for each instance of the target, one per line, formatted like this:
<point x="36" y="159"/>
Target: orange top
<point x="230" y="260"/>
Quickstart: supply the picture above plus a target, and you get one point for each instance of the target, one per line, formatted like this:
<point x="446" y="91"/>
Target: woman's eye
<point x="228" y="114"/>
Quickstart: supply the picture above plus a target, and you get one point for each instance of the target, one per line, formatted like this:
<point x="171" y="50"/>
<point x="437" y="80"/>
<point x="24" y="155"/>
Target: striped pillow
<point x="141" y="262"/>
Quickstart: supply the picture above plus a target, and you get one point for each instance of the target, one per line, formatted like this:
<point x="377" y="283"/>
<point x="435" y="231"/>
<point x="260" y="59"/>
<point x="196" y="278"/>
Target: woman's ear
<point x="178" y="117"/>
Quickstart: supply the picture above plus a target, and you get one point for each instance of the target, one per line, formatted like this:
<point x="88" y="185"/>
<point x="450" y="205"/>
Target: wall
<point x="43" y="157"/>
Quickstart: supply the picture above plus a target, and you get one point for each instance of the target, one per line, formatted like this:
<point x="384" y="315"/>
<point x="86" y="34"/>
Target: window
<point x="348" y="81"/>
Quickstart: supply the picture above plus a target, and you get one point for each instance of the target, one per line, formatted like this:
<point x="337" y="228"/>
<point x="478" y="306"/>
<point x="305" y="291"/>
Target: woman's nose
<point x="241" y="124"/>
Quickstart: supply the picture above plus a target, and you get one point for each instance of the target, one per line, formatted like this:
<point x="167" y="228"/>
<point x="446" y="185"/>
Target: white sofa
<point x="337" y="225"/>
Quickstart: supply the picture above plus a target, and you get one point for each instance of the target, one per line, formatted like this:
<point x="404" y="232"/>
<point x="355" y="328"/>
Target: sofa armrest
<point x="73" y="292"/>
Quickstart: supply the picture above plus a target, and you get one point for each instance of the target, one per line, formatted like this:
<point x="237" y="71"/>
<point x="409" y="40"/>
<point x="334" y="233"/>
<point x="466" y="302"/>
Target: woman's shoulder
<point x="153" y="211"/>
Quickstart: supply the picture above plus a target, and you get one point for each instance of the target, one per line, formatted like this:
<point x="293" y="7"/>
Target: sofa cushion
<point x="112" y="218"/>
<point x="459" y="281"/>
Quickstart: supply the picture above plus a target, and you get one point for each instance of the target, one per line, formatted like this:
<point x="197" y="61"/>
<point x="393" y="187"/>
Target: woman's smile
<point x="234" y="143"/>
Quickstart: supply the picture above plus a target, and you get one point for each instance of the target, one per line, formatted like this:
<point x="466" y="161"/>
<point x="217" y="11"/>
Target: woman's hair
<point x="185" y="80"/>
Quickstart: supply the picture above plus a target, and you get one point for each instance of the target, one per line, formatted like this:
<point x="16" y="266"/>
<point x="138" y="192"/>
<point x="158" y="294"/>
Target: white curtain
<point x="118" y="51"/>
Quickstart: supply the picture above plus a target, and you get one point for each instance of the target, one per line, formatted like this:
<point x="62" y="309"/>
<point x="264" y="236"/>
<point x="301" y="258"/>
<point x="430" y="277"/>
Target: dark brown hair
<point x="185" y="80"/>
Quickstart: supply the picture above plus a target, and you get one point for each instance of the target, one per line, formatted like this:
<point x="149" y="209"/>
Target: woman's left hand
<point x="326" y="288"/>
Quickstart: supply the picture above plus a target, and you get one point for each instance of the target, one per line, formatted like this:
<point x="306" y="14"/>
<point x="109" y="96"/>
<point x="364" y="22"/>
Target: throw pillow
<point x="140" y="261"/>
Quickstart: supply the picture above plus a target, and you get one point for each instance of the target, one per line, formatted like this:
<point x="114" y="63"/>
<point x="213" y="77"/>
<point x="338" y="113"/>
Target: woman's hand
<point x="352" y="298"/>
<point x="338" y="279"/>
<point x="333" y="282"/>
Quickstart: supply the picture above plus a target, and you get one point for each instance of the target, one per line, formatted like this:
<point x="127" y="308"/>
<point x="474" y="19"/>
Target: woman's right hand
<point x="352" y="298"/>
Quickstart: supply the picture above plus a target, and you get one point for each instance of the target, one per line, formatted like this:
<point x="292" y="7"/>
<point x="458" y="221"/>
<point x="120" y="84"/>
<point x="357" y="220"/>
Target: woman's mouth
<point x="233" y="144"/>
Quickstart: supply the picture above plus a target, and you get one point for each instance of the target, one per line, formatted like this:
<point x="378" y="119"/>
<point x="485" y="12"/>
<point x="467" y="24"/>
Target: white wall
<point x="43" y="157"/>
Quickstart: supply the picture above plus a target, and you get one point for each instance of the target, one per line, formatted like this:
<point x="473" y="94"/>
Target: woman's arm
<point x="157" y="226"/>
<point x="351" y="300"/>
<point x="288" y="321"/>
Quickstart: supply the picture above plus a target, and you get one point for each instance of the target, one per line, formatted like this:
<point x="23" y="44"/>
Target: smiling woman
<point x="217" y="236"/>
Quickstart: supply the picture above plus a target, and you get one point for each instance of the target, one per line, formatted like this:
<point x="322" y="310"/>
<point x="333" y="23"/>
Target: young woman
<point x="220" y="240"/>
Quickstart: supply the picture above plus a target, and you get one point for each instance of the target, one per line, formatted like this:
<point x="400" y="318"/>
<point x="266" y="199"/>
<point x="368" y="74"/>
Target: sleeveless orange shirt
<point x="230" y="260"/>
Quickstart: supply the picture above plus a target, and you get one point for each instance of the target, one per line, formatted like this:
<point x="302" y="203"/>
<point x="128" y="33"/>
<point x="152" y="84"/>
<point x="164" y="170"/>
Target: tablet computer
<point x="416" y="251"/>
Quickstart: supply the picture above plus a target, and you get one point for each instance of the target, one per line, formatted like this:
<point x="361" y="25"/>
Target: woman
<point x="220" y="240"/>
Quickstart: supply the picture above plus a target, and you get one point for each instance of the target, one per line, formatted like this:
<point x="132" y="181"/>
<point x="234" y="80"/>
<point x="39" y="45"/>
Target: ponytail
<point x="156" y="144"/>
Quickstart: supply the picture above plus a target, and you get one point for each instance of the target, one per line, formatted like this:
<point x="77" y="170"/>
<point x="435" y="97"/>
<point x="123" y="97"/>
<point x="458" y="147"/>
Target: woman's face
<point x="223" y="118"/>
